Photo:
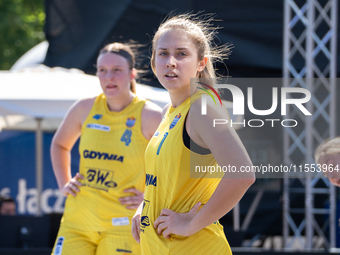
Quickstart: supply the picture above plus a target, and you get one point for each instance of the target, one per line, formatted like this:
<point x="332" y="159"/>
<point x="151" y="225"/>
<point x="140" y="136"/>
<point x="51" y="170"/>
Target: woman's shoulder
<point x="83" y="105"/>
<point x="80" y="109"/>
<point x="151" y="117"/>
<point x="151" y="109"/>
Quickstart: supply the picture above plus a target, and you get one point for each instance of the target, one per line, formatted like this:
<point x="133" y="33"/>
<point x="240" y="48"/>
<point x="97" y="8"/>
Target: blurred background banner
<point x="77" y="29"/>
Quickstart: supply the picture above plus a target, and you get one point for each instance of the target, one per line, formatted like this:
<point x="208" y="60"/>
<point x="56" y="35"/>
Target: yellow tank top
<point x="168" y="185"/>
<point x="111" y="150"/>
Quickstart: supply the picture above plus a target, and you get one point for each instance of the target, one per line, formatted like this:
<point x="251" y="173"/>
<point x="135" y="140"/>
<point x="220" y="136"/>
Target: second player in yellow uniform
<point x="114" y="130"/>
<point x="111" y="160"/>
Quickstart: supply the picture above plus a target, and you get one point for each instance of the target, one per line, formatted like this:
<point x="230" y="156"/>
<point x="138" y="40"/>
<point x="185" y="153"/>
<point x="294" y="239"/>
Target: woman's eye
<point x="183" y="54"/>
<point x="101" y="70"/>
<point x="162" y="53"/>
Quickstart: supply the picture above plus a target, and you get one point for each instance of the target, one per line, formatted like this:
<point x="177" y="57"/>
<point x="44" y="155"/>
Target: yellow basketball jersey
<point x="111" y="149"/>
<point x="168" y="185"/>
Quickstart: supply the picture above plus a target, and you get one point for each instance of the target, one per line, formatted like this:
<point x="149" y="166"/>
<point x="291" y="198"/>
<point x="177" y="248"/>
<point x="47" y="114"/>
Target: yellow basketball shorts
<point x="208" y="241"/>
<point x="73" y="241"/>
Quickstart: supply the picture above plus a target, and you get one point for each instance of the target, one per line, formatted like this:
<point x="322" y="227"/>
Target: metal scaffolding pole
<point x="310" y="37"/>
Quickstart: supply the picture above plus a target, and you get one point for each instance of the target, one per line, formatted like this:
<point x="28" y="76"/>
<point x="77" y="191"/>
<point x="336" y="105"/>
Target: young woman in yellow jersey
<point x="179" y="214"/>
<point x="114" y="129"/>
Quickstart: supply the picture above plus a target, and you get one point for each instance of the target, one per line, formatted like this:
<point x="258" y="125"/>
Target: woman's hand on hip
<point x="72" y="187"/>
<point x="132" y="202"/>
<point x="170" y="222"/>
<point x="135" y="224"/>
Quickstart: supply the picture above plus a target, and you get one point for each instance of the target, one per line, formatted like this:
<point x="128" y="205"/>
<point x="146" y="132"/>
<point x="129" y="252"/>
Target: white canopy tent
<point x="25" y="96"/>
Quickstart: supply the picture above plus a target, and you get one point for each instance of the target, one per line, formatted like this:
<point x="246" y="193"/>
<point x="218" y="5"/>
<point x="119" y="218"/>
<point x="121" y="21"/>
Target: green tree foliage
<point x="21" y="28"/>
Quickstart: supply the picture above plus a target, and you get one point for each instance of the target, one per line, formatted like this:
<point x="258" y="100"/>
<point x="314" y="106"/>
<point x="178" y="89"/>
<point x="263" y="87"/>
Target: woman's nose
<point x="110" y="75"/>
<point x="171" y="62"/>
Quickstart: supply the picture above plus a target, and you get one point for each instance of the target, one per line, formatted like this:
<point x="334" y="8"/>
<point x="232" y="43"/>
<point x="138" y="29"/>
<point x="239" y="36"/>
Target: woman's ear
<point x="202" y="63"/>
<point x="133" y="74"/>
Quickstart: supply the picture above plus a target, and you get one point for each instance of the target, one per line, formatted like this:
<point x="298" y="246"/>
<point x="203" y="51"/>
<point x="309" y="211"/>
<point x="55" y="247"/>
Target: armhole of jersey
<point x="89" y="114"/>
<point x="190" y="144"/>
<point x="140" y="117"/>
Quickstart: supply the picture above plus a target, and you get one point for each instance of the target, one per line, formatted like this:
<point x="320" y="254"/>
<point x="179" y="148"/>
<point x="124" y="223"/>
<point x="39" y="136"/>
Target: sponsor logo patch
<point x="102" y="155"/>
<point x="59" y="246"/>
<point x="175" y="120"/>
<point x="123" y="221"/>
<point x="130" y="122"/>
<point x="144" y="221"/>
<point x="150" y="180"/>
<point x="100" y="179"/>
<point x="98" y="127"/>
<point x="123" y="250"/>
<point x="97" y="116"/>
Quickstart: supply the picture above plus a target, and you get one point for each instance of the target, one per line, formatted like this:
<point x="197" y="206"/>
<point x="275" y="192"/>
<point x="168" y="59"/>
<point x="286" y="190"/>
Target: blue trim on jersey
<point x="161" y="143"/>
